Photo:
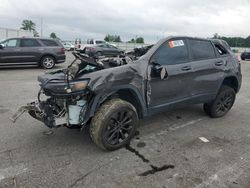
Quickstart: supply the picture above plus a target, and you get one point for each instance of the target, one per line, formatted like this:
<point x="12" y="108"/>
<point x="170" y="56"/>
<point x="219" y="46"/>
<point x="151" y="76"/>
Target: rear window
<point x="29" y="43"/>
<point x="201" y="49"/>
<point x="47" y="42"/>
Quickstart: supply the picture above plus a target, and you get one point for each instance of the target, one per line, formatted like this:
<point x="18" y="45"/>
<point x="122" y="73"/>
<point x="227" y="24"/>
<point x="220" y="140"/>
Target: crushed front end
<point x="63" y="103"/>
<point x="63" y="98"/>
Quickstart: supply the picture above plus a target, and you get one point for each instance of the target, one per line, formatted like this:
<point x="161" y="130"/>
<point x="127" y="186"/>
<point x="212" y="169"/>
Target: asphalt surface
<point x="180" y="148"/>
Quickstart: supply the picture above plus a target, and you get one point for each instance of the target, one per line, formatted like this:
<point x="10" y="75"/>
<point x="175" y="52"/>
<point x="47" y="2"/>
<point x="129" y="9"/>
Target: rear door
<point x="31" y="50"/>
<point x="170" y="74"/>
<point x="207" y="68"/>
<point x="11" y="53"/>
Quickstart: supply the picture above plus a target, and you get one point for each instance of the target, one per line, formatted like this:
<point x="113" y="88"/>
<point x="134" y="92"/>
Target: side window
<point x="172" y="52"/>
<point x="221" y="49"/>
<point x="201" y="49"/>
<point x="11" y="43"/>
<point x="29" y="43"/>
<point x="47" y="42"/>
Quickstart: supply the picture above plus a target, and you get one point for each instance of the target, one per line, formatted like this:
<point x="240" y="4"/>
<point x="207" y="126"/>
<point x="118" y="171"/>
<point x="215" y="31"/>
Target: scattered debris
<point x="141" y="144"/>
<point x="203" y="139"/>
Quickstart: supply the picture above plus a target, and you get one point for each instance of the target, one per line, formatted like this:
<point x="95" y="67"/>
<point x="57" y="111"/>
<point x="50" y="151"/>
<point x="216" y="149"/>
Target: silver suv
<point x="31" y="51"/>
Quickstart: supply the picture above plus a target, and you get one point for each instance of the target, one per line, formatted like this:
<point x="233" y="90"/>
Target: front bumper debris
<point x="32" y="108"/>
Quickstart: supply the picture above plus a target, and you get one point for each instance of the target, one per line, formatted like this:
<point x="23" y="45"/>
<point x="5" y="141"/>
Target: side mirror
<point x="1" y="46"/>
<point x="158" y="70"/>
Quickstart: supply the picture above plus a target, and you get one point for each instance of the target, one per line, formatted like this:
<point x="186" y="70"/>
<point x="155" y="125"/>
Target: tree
<point x="112" y="38"/>
<point x="139" y="40"/>
<point x="53" y="35"/>
<point x="35" y="34"/>
<point x="216" y="36"/>
<point x="131" y="41"/>
<point x="28" y="25"/>
<point x="234" y="41"/>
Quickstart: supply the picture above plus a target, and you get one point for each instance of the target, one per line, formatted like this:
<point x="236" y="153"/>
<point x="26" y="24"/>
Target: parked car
<point x="91" y="43"/>
<point x="245" y="55"/>
<point x="68" y="46"/>
<point x="176" y="71"/>
<point x="103" y="50"/>
<point x="31" y="51"/>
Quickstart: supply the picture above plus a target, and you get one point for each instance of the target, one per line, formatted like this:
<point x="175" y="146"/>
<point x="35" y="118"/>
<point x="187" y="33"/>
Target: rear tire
<point x="114" y="124"/>
<point x="47" y="62"/>
<point x="222" y="103"/>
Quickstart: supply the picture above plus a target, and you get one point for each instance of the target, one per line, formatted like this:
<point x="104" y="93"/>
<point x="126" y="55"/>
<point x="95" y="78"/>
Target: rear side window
<point x="221" y="49"/>
<point x="47" y="42"/>
<point x="29" y="43"/>
<point x="171" y="52"/>
<point x="201" y="49"/>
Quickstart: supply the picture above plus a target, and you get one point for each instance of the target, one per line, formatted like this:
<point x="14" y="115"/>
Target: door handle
<point x="186" y="68"/>
<point x="219" y="63"/>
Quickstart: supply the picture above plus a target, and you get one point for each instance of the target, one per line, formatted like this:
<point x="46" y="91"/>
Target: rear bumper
<point x="60" y="58"/>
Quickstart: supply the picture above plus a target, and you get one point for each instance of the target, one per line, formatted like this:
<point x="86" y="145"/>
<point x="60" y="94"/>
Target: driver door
<point x="170" y="74"/>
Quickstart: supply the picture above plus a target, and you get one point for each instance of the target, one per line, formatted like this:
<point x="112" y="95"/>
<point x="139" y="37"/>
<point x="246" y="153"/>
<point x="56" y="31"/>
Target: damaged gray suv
<point x="110" y="95"/>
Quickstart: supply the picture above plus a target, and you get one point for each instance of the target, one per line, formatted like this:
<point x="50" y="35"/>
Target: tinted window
<point x="10" y="43"/>
<point x="29" y="43"/>
<point x="172" y="52"/>
<point x="201" y="49"/>
<point x="220" y="49"/>
<point x="49" y="42"/>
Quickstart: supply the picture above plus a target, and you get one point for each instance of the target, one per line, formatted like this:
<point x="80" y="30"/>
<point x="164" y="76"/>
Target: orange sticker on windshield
<point x="175" y="43"/>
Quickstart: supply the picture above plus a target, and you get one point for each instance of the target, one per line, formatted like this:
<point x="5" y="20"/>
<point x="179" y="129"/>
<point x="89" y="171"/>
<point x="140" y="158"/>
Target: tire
<point x="223" y="102"/>
<point x="107" y="130"/>
<point x="243" y="58"/>
<point x="47" y="62"/>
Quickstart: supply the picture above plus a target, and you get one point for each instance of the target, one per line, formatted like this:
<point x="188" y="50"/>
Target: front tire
<point x="48" y="62"/>
<point x="114" y="124"/>
<point x="222" y="103"/>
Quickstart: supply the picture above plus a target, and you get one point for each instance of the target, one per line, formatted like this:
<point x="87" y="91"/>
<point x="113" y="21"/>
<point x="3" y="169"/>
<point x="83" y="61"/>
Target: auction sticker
<point x="175" y="43"/>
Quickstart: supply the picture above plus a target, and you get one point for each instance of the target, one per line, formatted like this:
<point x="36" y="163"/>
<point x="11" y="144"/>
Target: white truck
<point x="90" y="43"/>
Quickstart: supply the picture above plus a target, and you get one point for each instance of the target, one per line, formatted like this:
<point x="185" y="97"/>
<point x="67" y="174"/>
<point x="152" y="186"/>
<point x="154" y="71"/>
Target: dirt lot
<point x="167" y="151"/>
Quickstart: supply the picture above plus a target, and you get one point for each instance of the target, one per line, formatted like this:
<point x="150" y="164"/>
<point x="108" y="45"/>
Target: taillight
<point x="239" y="58"/>
<point x="62" y="50"/>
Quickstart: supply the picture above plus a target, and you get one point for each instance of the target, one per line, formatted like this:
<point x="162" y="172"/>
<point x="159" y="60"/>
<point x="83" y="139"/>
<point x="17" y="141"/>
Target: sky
<point x="151" y="19"/>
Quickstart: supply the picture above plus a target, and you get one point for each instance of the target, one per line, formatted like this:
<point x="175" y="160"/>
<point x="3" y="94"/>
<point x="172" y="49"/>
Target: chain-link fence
<point x="7" y="33"/>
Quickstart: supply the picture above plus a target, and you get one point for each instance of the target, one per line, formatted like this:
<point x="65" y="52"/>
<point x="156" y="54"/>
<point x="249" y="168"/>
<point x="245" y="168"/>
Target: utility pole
<point x="41" y="27"/>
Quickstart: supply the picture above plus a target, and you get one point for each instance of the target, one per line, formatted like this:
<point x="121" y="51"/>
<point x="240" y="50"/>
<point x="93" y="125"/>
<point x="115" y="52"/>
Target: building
<point x="7" y="33"/>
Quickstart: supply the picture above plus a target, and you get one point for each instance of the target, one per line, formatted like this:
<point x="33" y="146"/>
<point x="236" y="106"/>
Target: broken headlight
<point x="77" y="86"/>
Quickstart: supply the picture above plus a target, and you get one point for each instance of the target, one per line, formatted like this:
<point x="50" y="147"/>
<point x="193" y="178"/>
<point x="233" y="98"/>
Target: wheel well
<point x="50" y="55"/>
<point x="231" y="82"/>
<point x="131" y="97"/>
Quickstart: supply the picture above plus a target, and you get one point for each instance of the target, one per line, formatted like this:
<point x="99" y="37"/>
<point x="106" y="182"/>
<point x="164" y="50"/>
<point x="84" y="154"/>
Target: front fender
<point x="101" y="97"/>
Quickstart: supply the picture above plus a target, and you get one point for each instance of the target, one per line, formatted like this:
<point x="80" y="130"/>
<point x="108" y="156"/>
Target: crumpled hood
<point x="103" y="80"/>
<point x="49" y="76"/>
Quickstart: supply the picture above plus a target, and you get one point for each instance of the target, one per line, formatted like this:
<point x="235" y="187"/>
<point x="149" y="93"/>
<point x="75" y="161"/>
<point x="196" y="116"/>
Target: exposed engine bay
<point x="64" y="96"/>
